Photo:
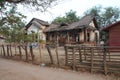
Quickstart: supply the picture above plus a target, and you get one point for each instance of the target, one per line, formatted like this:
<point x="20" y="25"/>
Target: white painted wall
<point x="39" y="30"/>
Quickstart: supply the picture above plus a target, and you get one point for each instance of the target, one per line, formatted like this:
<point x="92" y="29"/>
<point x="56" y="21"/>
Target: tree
<point x="68" y="18"/>
<point x="104" y="17"/>
<point x="11" y="22"/>
<point x="41" y="5"/>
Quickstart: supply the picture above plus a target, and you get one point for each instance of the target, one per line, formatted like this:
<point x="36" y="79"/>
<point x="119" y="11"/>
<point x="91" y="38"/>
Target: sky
<point x="80" y="6"/>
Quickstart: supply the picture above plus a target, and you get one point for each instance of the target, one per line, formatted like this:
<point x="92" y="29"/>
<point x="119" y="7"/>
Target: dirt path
<point x="14" y="70"/>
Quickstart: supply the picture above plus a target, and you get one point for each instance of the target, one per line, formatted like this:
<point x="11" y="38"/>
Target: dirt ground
<point x="18" y="70"/>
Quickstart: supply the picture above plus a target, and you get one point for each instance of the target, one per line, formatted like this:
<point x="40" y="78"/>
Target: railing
<point x="93" y="58"/>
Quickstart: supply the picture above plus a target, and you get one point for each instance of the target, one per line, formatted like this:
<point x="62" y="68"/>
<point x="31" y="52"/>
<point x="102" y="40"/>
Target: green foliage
<point x="68" y="18"/>
<point x="11" y="23"/>
<point x="40" y="5"/>
<point x="104" y="16"/>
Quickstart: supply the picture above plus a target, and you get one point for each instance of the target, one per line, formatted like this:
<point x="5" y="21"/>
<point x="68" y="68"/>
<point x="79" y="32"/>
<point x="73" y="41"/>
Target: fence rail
<point x="94" y="58"/>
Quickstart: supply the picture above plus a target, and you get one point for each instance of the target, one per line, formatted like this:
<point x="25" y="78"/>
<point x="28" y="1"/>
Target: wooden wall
<point x="114" y="35"/>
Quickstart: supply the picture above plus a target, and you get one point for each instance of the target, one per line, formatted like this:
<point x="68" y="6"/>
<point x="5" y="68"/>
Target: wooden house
<point x="83" y="31"/>
<point x="37" y="26"/>
<point x="113" y="34"/>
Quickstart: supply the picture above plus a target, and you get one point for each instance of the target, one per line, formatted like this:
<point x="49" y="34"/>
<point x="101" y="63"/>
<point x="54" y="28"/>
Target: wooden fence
<point x="30" y="53"/>
<point x="8" y="51"/>
<point x="93" y="58"/>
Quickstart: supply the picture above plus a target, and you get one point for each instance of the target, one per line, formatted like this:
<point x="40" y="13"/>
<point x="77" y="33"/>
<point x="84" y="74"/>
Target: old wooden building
<point x="37" y="26"/>
<point x="113" y="34"/>
<point x="84" y="31"/>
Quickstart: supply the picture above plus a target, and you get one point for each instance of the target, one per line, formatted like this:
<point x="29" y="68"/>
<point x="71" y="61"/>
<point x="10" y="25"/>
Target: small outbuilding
<point x="113" y="31"/>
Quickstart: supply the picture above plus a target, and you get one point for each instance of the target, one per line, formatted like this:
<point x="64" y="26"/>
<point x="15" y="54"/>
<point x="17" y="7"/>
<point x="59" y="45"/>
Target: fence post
<point x="74" y="59"/>
<point x="40" y="52"/>
<point x="80" y="54"/>
<point x="3" y="50"/>
<point x="56" y="50"/>
<point x="66" y="55"/>
<point x="51" y="58"/>
<point x="8" y="50"/>
<point x="20" y="52"/>
<point x="104" y="61"/>
<point x="91" y="59"/>
<point x="26" y="52"/>
<point x="32" y="55"/>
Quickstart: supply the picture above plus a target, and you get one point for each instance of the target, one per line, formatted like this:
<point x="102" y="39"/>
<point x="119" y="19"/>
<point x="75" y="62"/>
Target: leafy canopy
<point x="104" y="16"/>
<point x="68" y="18"/>
<point x="40" y="5"/>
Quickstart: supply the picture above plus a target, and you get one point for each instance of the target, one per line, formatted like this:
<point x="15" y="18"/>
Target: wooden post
<point x="3" y="50"/>
<point x="68" y="38"/>
<point x="1" y="53"/>
<point x="85" y="35"/>
<point x="104" y="61"/>
<point x="91" y="49"/>
<point x="15" y="49"/>
<point x="56" y="50"/>
<point x="8" y="50"/>
<point x="32" y="55"/>
<point x="20" y="52"/>
<point x="26" y="52"/>
<point x="66" y="55"/>
<point x="74" y="59"/>
<point x="80" y="54"/>
<point x="51" y="58"/>
<point x="39" y="45"/>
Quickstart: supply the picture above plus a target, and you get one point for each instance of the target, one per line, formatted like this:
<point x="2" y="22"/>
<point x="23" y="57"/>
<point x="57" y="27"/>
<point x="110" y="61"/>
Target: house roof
<point x="52" y="27"/>
<point x="82" y="23"/>
<point x="110" y="26"/>
<point x="36" y="22"/>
